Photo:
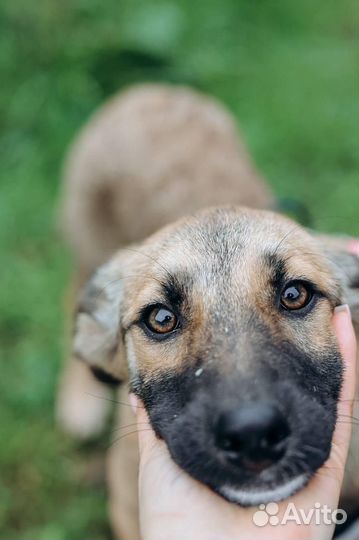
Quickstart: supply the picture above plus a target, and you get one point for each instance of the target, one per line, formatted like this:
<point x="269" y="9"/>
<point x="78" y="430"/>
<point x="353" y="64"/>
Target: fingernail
<point x="343" y="308"/>
<point x="133" y="403"/>
<point x="353" y="247"/>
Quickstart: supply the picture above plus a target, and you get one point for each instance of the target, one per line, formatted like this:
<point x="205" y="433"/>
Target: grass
<point x="287" y="70"/>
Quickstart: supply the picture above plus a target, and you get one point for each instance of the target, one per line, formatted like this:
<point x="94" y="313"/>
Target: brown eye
<point x="161" y="320"/>
<point x="295" y="296"/>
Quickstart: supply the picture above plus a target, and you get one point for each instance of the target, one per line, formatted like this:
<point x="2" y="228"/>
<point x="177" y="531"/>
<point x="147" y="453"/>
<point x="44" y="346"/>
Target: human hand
<point x="175" y="506"/>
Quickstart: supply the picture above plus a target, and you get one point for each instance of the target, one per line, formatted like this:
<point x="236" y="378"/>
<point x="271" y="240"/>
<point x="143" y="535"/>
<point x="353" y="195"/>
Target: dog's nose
<point x="254" y="436"/>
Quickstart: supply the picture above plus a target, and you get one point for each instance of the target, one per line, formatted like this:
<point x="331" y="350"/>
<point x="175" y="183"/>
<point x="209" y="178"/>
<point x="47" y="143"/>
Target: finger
<point x="353" y="247"/>
<point x="147" y="439"/>
<point x="345" y="334"/>
<point x="347" y="344"/>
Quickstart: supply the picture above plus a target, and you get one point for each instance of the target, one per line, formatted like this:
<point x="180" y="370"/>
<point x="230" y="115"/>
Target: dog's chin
<point x="264" y="496"/>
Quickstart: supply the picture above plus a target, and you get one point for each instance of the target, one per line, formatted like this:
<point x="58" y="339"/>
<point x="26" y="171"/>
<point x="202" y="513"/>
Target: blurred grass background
<point x="286" y="69"/>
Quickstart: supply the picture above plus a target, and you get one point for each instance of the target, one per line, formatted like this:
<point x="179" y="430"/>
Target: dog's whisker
<point x="170" y="275"/>
<point x="349" y="416"/>
<point x="356" y="424"/>
<point x="130" y="425"/>
<point x="119" y="278"/>
<point x="347" y="420"/>
<point x="323" y="474"/>
<point x="127" y="434"/>
<point x="275" y="252"/>
<point x="115" y="401"/>
<point x="331" y="468"/>
<point x="336" y="451"/>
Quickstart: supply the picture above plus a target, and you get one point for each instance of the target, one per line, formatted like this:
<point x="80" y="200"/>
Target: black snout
<point x="255" y="435"/>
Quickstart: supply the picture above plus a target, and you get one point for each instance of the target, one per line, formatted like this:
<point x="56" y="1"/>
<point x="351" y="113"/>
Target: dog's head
<point x="224" y="319"/>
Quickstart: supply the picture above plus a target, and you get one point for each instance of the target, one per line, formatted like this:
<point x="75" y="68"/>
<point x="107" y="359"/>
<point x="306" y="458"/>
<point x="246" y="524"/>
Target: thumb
<point x="347" y="344"/>
<point x="147" y="440"/>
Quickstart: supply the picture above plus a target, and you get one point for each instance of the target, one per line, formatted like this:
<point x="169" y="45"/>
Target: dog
<point x="214" y="309"/>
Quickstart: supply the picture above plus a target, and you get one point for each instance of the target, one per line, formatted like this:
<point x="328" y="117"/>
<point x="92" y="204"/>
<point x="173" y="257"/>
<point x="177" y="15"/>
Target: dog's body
<point x="151" y="156"/>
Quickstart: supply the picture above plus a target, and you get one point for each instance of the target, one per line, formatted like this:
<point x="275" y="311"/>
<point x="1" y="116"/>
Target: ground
<point x="287" y="70"/>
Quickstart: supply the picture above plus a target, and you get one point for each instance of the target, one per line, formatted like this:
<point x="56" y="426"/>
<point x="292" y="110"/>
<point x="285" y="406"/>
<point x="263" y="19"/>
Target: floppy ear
<point x="346" y="268"/>
<point x="97" y="337"/>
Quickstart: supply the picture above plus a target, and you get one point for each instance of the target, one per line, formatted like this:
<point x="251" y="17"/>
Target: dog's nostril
<point x="277" y="434"/>
<point x="255" y="435"/>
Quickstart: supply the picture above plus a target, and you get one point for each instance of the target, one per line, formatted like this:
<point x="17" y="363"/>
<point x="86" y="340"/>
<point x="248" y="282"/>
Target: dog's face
<point x="225" y="321"/>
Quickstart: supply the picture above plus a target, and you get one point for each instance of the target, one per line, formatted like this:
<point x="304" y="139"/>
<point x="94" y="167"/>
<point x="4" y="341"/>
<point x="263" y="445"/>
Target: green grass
<point x="286" y="69"/>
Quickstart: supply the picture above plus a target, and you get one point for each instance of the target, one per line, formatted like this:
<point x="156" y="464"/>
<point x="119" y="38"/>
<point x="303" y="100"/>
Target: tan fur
<point x="148" y="157"/>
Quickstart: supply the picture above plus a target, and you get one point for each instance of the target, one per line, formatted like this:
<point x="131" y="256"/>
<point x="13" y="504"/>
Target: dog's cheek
<point x="312" y="423"/>
<point x="319" y="373"/>
<point x="187" y="433"/>
<point x="163" y="397"/>
<point x="173" y="405"/>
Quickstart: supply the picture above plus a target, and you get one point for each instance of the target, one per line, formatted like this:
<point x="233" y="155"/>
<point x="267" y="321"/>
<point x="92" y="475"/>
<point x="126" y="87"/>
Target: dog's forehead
<point x="228" y="253"/>
<point x="238" y="244"/>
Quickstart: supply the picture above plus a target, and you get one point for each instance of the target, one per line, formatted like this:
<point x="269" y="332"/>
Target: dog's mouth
<point x="264" y="496"/>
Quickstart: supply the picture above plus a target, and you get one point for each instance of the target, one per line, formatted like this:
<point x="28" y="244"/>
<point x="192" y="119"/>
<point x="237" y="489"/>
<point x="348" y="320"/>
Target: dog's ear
<point x="97" y="338"/>
<point x="345" y="263"/>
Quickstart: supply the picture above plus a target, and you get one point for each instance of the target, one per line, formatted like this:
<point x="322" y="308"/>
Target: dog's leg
<point x="122" y="472"/>
<point x="82" y="402"/>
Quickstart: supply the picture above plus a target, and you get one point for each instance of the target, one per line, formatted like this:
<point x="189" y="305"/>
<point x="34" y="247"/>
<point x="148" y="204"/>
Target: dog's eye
<point x="160" y="320"/>
<point x="296" y="295"/>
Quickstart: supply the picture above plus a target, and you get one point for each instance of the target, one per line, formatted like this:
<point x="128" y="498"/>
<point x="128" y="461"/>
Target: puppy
<point x="220" y="321"/>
